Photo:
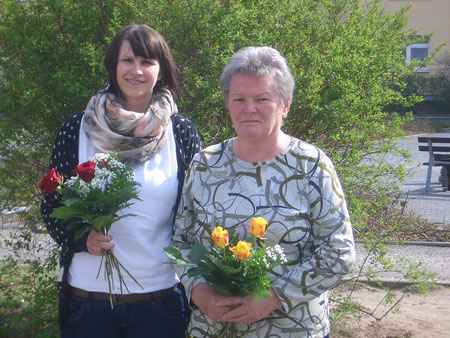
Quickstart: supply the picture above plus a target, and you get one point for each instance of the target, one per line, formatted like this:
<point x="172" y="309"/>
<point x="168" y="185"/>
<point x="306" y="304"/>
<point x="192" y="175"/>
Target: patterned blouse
<point x="299" y="194"/>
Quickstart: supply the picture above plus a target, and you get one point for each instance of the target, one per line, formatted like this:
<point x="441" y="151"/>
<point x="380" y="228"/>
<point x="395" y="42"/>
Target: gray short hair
<point x="258" y="62"/>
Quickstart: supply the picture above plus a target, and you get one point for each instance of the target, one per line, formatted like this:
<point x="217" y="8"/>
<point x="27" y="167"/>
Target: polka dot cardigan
<point x="65" y="157"/>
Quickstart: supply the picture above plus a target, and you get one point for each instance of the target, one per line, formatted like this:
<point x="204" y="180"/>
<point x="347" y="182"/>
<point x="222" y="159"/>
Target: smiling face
<point x="255" y="107"/>
<point x="136" y="78"/>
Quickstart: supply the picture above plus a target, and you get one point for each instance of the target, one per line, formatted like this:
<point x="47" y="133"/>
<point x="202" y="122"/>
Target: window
<point x="418" y="51"/>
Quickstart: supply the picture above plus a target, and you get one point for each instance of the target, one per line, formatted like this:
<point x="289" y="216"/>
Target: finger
<point x="235" y="315"/>
<point x="104" y="238"/>
<point x="105" y="245"/>
<point x="230" y="301"/>
<point x="97" y="243"/>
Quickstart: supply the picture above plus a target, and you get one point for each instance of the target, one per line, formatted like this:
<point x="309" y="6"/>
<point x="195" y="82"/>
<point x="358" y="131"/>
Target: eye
<point x="262" y="99"/>
<point x="238" y="100"/>
<point x="148" y="62"/>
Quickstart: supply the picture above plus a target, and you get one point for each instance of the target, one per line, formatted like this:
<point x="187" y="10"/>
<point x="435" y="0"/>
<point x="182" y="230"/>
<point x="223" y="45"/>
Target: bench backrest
<point x="431" y="141"/>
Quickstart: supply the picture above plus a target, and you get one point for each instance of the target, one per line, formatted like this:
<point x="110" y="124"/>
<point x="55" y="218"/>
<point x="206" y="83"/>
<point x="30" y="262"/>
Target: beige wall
<point x="427" y="16"/>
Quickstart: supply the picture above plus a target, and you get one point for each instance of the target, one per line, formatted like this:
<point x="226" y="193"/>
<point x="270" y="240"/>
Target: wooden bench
<point x="439" y="155"/>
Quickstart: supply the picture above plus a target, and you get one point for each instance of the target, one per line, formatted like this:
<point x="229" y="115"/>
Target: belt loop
<point x="89" y="295"/>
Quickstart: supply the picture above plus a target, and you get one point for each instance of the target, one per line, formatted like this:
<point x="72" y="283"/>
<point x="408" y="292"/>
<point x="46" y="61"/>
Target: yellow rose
<point x="242" y="250"/>
<point x="220" y="237"/>
<point x="258" y="227"/>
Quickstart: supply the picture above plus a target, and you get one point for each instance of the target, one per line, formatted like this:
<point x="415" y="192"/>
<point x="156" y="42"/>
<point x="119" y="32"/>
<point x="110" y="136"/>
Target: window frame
<point x="425" y="44"/>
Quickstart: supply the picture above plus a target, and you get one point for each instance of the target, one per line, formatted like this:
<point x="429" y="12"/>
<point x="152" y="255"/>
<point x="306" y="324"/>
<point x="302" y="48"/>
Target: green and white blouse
<point x="299" y="194"/>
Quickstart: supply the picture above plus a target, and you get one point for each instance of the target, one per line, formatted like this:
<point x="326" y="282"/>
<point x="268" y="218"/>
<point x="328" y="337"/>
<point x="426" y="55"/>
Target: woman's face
<point x="255" y="107"/>
<point x="136" y="77"/>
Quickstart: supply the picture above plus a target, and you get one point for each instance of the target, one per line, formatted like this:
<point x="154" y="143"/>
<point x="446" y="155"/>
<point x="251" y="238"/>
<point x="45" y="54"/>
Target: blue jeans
<point x="157" y="318"/>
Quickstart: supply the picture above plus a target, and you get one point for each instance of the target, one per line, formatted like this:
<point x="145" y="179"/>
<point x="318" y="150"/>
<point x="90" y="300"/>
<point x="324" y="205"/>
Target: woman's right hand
<point x="206" y="298"/>
<point x="98" y="243"/>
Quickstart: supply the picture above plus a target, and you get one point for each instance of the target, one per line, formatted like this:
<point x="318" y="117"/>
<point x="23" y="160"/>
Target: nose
<point x="137" y="68"/>
<point x="250" y="106"/>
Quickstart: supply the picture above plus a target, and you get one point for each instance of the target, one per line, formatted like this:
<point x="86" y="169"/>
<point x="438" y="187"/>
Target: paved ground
<point x="434" y="207"/>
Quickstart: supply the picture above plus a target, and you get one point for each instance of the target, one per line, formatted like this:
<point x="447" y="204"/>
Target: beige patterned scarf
<point x="136" y="136"/>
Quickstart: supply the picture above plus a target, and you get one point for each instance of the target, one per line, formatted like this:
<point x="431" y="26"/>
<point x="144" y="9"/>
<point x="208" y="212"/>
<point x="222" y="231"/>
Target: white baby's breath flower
<point x="71" y="181"/>
<point x="100" y="157"/>
<point x="275" y="254"/>
<point x="84" y="188"/>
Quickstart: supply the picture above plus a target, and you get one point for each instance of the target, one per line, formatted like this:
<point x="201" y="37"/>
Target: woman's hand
<point x="246" y="310"/>
<point x="207" y="299"/>
<point x="98" y="243"/>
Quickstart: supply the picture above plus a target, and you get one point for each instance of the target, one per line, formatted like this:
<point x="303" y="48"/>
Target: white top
<point x="139" y="239"/>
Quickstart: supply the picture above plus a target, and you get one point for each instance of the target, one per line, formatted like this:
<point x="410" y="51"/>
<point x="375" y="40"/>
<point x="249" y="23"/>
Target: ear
<point x="286" y="107"/>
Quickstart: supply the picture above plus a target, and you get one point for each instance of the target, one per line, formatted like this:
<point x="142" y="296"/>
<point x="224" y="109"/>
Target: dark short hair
<point x="147" y="43"/>
<point x="258" y="62"/>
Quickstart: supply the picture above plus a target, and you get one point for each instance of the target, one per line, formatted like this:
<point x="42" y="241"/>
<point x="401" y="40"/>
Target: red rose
<point x="50" y="182"/>
<point x="86" y="171"/>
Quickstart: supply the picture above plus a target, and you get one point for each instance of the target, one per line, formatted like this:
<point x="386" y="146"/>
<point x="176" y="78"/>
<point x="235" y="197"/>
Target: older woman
<point x="292" y="184"/>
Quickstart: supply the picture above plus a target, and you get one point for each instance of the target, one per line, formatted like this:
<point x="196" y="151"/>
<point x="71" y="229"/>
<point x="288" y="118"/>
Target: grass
<point x="426" y="126"/>
<point x="27" y="300"/>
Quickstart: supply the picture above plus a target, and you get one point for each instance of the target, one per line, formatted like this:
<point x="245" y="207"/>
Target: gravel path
<point x="434" y="256"/>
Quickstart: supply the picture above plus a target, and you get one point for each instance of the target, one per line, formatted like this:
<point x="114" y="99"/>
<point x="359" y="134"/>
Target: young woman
<point x="136" y="115"/>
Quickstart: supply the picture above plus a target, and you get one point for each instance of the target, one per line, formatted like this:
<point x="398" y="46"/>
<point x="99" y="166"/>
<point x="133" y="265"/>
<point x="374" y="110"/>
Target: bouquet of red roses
<point x="236" y="267"/>
<point x="100" y="188"/>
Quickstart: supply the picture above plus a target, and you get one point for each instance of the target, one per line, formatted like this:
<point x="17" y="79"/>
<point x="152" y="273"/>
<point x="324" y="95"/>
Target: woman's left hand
<point x="247" y="310"/>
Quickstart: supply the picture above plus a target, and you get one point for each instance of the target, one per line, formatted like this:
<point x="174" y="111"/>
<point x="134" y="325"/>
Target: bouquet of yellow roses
<point x="91" y="200"/>
<point x="237" y="267"/>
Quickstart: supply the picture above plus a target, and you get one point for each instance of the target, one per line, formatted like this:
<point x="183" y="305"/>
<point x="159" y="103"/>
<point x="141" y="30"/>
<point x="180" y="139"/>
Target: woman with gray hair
<point x="264" y="172"/>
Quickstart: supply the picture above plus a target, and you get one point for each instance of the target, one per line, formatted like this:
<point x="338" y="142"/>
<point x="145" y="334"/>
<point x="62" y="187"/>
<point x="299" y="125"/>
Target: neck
<point x="251" y="150"/>
<point x="138" y="106"/>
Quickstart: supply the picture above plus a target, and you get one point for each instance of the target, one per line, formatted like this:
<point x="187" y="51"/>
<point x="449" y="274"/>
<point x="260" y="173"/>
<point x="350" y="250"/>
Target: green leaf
<point x="65" y="212"/>
<point x="198" y="253"/>
<point x="173" y="253"/>
<point x="95" y="196"/>
<point x="102" y="222"/>
<point x="197" y="271"/>
<point x="79" y="233"/>
<point x="226" y="269"/>
<point x="70" y="201"/>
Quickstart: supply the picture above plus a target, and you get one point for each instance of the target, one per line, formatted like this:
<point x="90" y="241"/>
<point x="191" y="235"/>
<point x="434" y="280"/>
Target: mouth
<point x="135" y="82"/>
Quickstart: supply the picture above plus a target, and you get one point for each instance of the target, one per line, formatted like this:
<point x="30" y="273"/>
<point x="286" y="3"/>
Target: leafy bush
<point x="346" y="58"/>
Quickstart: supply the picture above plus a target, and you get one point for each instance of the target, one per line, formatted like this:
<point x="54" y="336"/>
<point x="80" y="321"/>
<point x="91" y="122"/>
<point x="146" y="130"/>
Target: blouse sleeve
<point x="63" y="159"/>
<point x="333" y="249"/>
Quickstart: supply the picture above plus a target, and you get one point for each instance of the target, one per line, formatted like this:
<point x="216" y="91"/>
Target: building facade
<point x="426" y="16"/>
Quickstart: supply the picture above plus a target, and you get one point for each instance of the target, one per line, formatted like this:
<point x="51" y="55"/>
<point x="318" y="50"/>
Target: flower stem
<point x="231" y="330"/>
<point x="111" y="264"/>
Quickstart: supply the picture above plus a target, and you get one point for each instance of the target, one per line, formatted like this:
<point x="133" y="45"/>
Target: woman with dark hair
<point x="264" y="172"/>
<point x="136" y="115"/>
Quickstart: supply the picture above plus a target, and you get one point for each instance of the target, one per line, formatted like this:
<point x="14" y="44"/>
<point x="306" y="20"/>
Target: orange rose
<point x="220" y="237"/>
<point x="242" y="250"/>
<point x="258" y="227"/>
